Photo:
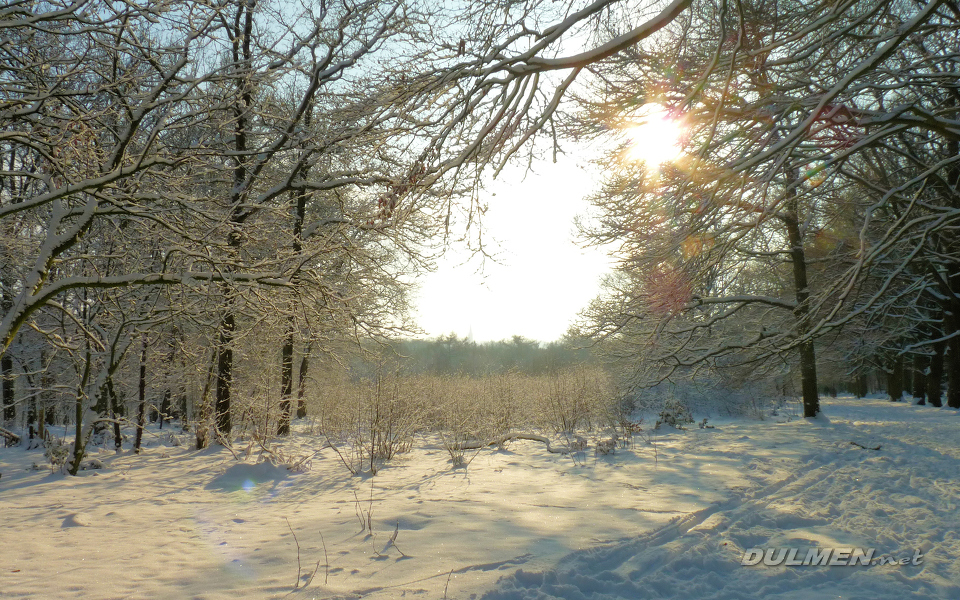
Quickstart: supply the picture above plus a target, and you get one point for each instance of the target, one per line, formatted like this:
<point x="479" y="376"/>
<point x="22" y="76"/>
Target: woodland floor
<point x="667" y="519"/>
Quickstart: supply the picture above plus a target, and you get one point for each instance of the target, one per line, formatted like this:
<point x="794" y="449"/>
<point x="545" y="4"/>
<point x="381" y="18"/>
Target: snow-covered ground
<point x="669" y="520"/>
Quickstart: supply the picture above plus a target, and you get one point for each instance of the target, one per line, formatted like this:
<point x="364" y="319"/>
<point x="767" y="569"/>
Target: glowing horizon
<point x="544" y="280"/>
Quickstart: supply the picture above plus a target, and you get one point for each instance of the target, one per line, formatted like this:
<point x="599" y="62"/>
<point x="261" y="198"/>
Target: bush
<point x="675" y="414"/>
<point x="371" y="420"/>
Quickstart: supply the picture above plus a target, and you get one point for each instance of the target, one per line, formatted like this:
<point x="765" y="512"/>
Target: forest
<point x="213" y="216"/>
<point x="191" y="193"/>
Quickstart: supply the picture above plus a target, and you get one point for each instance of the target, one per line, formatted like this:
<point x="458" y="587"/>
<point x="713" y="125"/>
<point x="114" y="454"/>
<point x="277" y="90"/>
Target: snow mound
<point x="78" y="520"/>
<point x="246" y="477"/>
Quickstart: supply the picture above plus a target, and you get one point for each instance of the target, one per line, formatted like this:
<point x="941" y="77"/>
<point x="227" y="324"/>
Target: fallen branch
<point x="508" y="437"/>
<point x="12" y="438"/>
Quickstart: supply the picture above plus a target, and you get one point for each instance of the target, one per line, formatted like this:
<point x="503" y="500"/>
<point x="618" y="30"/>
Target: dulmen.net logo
<point x="824" y="557"/>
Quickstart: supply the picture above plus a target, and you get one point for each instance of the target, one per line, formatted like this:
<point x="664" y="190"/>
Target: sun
<point x="656" y="139"/>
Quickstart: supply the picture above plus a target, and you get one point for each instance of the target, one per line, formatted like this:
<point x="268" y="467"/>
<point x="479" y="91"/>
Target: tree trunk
<point x="920" y="364"/>
<point x="115" y="413"/>
<point x="185" y="408"/>
<point x="6" y="371"/>
<point x="241" y="39"/>
<point x="79" y="443"/>
<point x="32" y="417"/>
<point x="6" y="361"/>
<point x="907" y="370"/>
<point x="951" y="313"/>
<point x="203" y="412"/>
<point x="141" y="396"/>
<point x="165" y="407"/>
<point x="935" y="375"/>
<point x="45" y="408"/>
<point x="302" y="384"/>
<point x="286" y="383"/>
<point x="952" y="364"/>
<point x="895" y="379"/>
<point x="862" y="387"/>
<point x="41" y="424"/>
<point x="224" y="377"/>
<point x="286" y="355"/>
<point x="808" y="358"/>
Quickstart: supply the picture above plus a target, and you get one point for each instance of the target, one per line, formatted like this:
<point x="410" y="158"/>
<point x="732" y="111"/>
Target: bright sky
<point x="543" y="278"/>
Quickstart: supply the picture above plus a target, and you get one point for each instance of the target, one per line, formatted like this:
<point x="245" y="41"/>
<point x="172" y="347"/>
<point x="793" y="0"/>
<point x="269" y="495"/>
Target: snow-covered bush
<point x="675" y="414"/>
<point x="712" y="395"/>
<point x="57" y="453"/>
<point x="607" y="445"/>
<point x="290" y="460"/>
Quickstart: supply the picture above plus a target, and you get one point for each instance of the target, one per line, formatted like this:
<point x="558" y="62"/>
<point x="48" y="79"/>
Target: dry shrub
<point x="372" y="421"/>
<point x="577" y="398"/>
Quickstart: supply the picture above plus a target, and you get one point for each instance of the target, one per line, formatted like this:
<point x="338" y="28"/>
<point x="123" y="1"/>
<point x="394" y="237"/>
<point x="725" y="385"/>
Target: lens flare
<point x="658" y="139"/>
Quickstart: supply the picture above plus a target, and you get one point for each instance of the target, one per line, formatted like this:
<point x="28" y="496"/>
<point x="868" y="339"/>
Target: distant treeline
<point x="452" y="355"/>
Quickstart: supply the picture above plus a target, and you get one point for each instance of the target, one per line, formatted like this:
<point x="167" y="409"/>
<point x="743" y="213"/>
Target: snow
<point x="665" y="520"/>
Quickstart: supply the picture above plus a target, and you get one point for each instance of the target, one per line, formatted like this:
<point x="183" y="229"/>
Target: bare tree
<point x="788" y="104"/>
<point x="254" y="157"/>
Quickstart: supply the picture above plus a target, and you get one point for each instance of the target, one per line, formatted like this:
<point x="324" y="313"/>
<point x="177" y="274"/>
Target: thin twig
<point x="229" y="446"/>
<point x="326" y="566"/>
<point x="449" y="575"/>
<point x="393" y="540"/>
<point x="352" y="470"/>
<point x="326" y="561"/>
<point x="359" y="511"/>
<point x="298" y="551"/>
<point x="370" y="510"/>
<point x="391" y="543"/>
